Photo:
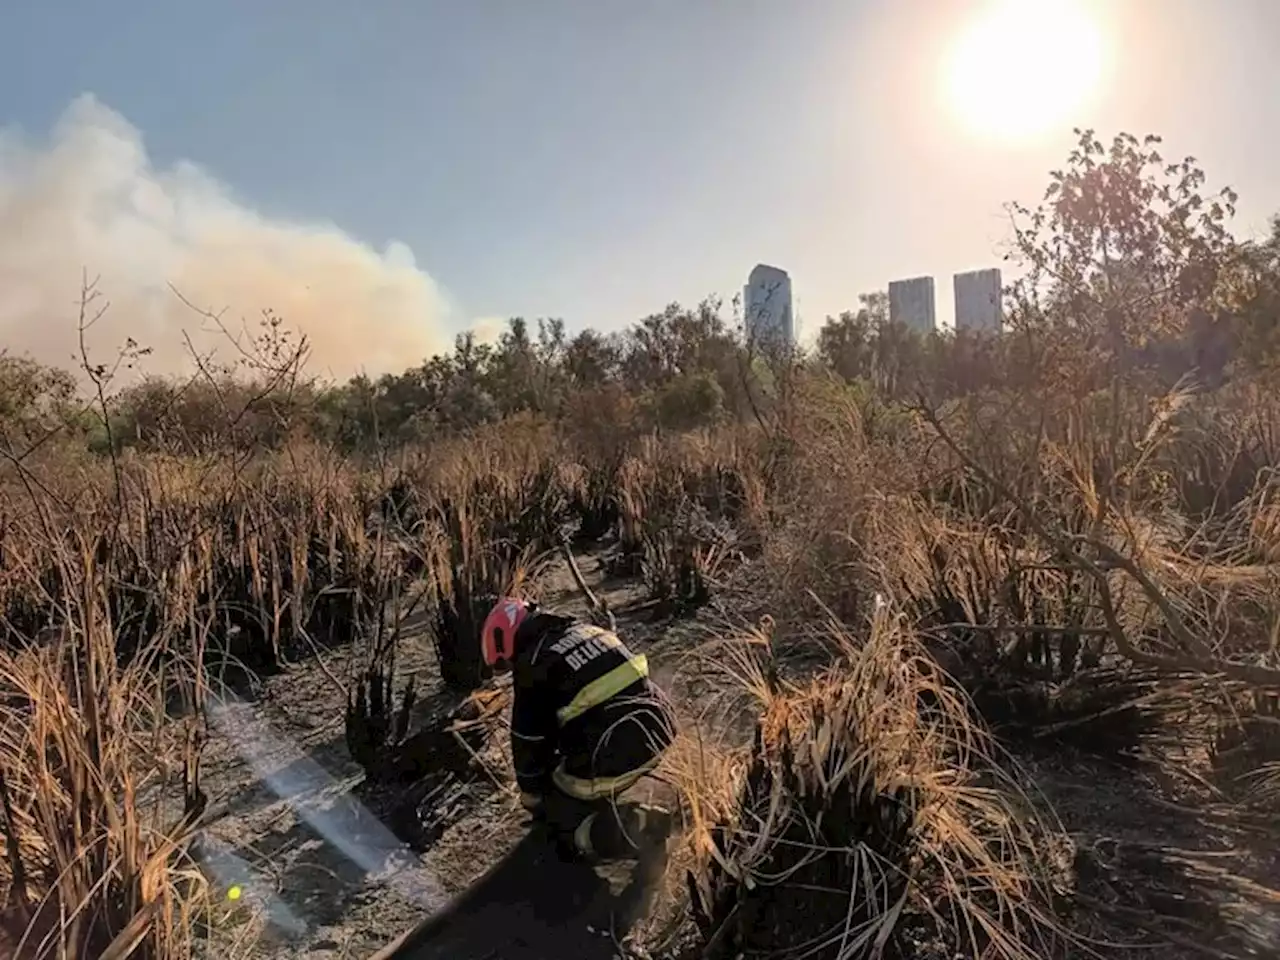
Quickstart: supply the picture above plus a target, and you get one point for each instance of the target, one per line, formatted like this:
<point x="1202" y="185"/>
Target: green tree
<point x="34" y="400"/>
<point x="689" y="401"/>
<point x="1119" y="254"/>
<point x="591" y="360"/>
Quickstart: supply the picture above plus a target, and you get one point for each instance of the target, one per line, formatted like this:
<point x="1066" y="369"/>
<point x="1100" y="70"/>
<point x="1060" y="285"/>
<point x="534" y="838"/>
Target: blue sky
<point x="596" y="159"/>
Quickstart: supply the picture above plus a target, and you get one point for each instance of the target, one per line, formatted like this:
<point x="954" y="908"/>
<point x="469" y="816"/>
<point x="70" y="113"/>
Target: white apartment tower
<point x="979" y="300"/>
<point x="912" y="302"/>
<point x="766" y="306"/>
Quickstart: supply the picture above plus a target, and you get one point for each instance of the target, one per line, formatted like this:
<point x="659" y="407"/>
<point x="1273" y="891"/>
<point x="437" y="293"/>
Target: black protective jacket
<point x="582" y="702"/>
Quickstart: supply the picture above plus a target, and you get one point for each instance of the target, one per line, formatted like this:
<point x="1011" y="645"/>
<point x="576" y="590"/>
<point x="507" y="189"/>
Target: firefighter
<point x="587" y="723"/>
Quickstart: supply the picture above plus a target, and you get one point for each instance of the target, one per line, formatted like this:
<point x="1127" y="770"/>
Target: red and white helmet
<point x="498" y="635"/>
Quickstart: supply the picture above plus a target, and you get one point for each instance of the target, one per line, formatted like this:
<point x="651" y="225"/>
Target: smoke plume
<point x="488" y="329"/>
<point x="89" y="201"/>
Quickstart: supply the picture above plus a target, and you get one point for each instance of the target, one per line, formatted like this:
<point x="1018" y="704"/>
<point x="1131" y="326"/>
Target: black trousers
<point x="608" y="829"/>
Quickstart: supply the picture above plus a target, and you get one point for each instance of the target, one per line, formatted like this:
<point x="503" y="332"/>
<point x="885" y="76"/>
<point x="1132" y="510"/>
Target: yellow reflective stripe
<point x="581" y="789"/>
<point x="603" y="688"/>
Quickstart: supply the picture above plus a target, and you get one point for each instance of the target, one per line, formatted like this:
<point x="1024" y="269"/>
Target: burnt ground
<point x="321" y="872"/>
<point x="319" y="856"/>
<point x="533" y="906"/>
<point x="1159" y="866"/>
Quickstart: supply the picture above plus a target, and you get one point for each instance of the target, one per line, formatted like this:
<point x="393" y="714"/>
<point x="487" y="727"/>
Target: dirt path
<point x="533" y="906"/>
<point x="307" y="846"/>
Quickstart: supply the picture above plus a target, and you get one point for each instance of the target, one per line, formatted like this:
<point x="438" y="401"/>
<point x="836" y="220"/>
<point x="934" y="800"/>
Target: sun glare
<point x="1023" y="67"/>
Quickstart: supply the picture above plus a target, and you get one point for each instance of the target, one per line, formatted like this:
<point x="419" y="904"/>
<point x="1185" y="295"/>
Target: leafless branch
<point x="598" y="607"/>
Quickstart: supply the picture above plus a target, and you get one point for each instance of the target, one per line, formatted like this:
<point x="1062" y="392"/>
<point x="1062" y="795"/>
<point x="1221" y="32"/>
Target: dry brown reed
<point x="870" y="809"/>
<point x="1073" y="561"/>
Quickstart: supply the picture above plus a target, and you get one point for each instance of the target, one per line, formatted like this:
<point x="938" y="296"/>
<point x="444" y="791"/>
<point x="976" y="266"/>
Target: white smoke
<point x="90" y="201"/>
<point x="488" y="330"/>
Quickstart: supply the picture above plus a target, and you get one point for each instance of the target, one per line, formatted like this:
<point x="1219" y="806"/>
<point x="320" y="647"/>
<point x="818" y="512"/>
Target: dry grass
<point x="93" y="867"/>
<point x="872" y="798"/>
<point x="1108" y="591"/>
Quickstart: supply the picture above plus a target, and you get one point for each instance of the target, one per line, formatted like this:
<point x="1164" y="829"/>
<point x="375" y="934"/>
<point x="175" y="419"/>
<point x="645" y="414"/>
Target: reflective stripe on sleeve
<point x="605" y="688"/>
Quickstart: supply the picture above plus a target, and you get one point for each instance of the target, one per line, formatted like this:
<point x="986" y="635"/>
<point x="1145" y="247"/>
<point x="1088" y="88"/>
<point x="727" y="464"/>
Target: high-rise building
<point x="979" y="300"/>
<point x="911" y="302"/>
<point x="766" y="306"/>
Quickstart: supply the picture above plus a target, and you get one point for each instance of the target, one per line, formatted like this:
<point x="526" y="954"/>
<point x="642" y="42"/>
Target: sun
<point x="1024" y="67"/>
